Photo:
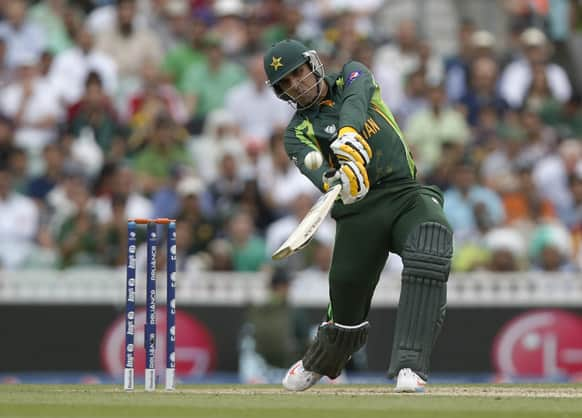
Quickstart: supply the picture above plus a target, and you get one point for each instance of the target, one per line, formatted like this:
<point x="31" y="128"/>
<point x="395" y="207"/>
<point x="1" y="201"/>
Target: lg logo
<point x="540" y="343"/>
<point x="195" y="347"/>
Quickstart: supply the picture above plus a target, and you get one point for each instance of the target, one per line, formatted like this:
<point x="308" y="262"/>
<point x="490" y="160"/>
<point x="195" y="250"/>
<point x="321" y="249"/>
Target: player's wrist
<point x="346" y="129"/>
<point x="330" y="179"/>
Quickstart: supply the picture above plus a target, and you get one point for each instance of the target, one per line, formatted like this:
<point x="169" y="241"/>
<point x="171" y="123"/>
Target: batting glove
<point x="350" y="146"/>
<point x="354" y="180"/>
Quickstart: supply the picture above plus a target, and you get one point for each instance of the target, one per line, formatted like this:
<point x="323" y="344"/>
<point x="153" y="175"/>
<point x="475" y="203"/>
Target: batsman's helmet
<point x="286" y="56"/>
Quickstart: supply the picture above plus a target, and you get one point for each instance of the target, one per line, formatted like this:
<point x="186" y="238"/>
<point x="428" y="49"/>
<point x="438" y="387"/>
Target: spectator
<point x="278" y="180"/>
<point x="406" y="54"/>
<point x="23" y="37"/>
<point x="430" y="129"/>
<point x="7" y="147"/>
<point x="65" y="104"/>
<point x="248" y="249"/>
<point x="123" y="190"/>
<point x="52" y="16"/>
<point x="508" y="140"/>
<point x="550" y="249"/>
<point x="95" y="112"/>
<point x="170" y="21"/>
<point x="40" y="186"/>
<point x="255" y="42"/>
<point x="343" y="43"/>
<point x="273" y="334"/>
<point x="403" y="53"/>
<point x="60" y="203"/>
<point x="227" y="190"/>
<point x="414" y="100"/>
<point x="184" y="260"/>
<point x="289" y="26"/>
<point x="470" y="208"/>
<point x="153" y="98"/>
<point x="565" y="119"/>
<point x="572" y="215"/>
<point x="523" y="205"/>
<point x="457" y="65"/>
<point x="230" y="25"/>
<point x="45" y="62"/>
<point x="186" y="54"/>
<point x="485" y="138"/>
<point x="78" y="236"/>
<point x="253" y="105"/>
<point x="33" y="106"/>
<point x="205" y="85"/>
<point x="482" y="92"/>
<point x="201" y="228"/>
<point x="164" y="149"/>
<point x="518" y="75"/>
<point x="128" y="44"/>
<point x="18" y="165"/>
<point x="220" y="137"/>
<point x="71" y="68"/>
<point x="387" y="77"/>
<point x="438" y="20"/>
<point x="540" y="138"/>
<point x="312" y="280"/>
<point x="507" y="250"/>
<point x="112" y="234"/>
<point x="6" y="75"/>
<point x="551" y="174"/>
<point x="220" y="256"/>
<point x="19" y="222"/>
<point x="165" y="200"/>
<point x="475" y="44"/>
<point x="483" y="44"/>
<point x="539" y="97"/>
<point x="255" y="204"/>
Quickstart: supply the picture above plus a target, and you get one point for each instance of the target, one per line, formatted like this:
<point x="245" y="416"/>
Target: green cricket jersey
<point x="353" y="100"/>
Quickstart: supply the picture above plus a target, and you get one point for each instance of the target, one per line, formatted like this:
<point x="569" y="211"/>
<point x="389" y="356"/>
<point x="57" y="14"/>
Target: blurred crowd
<point x="158" y="108"/>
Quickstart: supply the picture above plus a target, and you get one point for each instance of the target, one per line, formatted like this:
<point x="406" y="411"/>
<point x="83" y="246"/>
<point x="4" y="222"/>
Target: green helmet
<point x="286" y="56"/>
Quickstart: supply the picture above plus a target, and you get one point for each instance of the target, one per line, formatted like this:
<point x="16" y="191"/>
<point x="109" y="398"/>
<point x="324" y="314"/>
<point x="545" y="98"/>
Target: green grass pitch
<point x="333" y="401"/>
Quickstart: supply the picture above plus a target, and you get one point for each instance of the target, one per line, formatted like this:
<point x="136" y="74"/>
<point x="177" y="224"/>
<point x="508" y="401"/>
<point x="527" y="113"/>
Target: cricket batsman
<point x="382" y="208"/>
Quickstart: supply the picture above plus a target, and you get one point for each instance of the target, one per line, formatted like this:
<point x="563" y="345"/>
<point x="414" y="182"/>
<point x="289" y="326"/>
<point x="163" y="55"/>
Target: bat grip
<point x="333" y="157"/>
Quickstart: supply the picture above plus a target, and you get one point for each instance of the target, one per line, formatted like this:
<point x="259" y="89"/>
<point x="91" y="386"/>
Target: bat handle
<point x="334" y="160"/>
<point x="332" y="156"/>
<point x="330" y="173"/>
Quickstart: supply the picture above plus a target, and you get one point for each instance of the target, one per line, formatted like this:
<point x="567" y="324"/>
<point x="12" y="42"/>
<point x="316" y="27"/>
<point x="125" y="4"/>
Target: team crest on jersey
<point x="353" y="75"/>
<point x="330" y="129"/>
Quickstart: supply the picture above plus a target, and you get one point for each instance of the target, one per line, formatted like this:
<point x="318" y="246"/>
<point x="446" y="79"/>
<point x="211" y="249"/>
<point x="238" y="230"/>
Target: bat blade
<point x="301" y="236"/>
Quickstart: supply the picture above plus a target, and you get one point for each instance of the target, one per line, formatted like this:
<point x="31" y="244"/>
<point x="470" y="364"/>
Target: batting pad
<point x="333" y="347"/>
<point x="423" y="297"/>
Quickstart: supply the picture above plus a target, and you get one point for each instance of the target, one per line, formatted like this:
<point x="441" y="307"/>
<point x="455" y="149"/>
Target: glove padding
<point x="354" y="180"/>
<point x="350" y="146"/>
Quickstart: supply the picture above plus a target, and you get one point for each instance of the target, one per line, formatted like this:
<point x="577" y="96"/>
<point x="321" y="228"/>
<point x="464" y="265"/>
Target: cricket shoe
<point x="298" y="379"/>
<point x="409" y="382"/>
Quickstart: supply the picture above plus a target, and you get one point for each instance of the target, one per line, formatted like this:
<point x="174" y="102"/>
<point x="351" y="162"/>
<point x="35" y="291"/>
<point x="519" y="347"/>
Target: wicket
<point x="150" y="328"/>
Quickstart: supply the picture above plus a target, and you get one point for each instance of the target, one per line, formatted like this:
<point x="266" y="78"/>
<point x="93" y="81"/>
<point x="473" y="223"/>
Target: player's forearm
<point x="354" y="112"/>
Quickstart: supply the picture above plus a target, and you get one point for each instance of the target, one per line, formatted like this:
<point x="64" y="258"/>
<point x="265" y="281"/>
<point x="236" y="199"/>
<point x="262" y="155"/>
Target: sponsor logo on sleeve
<point x="353" y="75"/>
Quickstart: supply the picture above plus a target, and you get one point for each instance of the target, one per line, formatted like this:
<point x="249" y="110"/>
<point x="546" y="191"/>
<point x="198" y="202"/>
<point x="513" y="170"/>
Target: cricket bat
<point x="301" y="236"/>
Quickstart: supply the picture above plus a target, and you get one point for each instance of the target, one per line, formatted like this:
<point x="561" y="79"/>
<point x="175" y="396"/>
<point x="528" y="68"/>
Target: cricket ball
<point x="313" y="160"/>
